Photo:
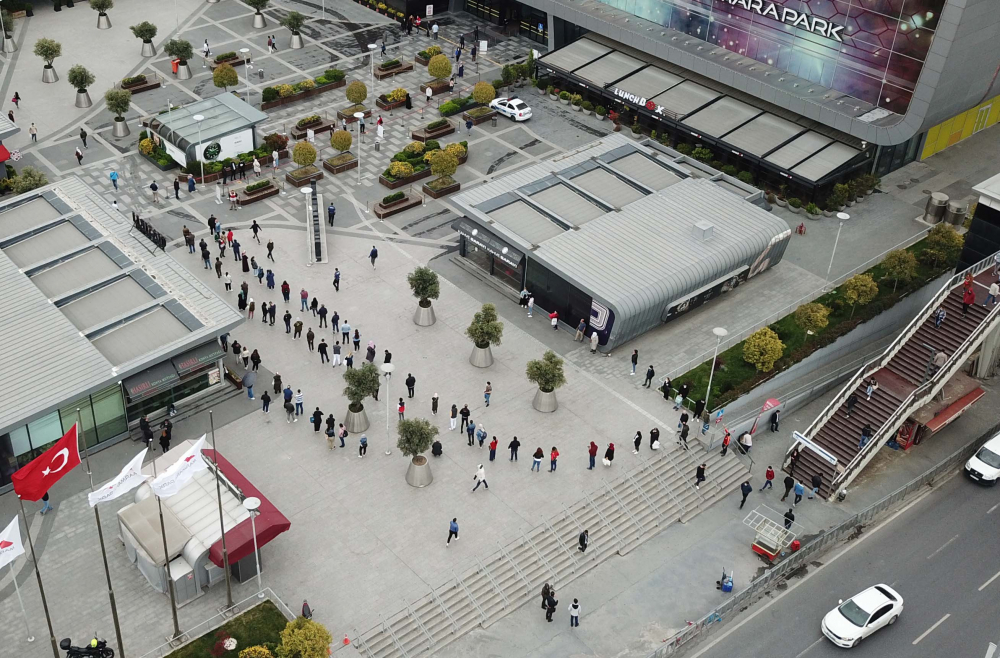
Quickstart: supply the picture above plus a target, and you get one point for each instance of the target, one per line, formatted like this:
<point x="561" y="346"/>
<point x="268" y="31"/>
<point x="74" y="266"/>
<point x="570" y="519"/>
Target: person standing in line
<point x="255" y="360"/>
<point x="493" y="449"/>
<point x="453" y="419"/>
<point x="298" y="329"/>
<point x="322" y="313"/>
<point x="488" y="392"/>
<point x="304" y="300"/>
<point x="287" y="317"/>
<point x="609" y="454"/>
<point x="574" y="613"/>
<point x="480" y="478"/>
<point x="699" y="476"/>
<point x="256" y="167"/>
<point x="470" y="430"/>
<point x="789" y="482"/>
<point x="635" y="361"/>
<point x="342" y="434"/>
<point x="336" y="353"/>
<point x="362" y="446"/>
<point x="537" y="457"/>
<point x="683" y="442"/>
<point x="335" y="322"/>
<point x="317" y="420"/>
<point x="177" y="189"/>
<point x="817" y="482"/>
<point x="401" y="409"/>
<point x="553" y="456"/>
<point x="452" y="531"/>
<point x="345" y="332"/>
<point x="481" y="434"/>
<point x="592" y="451"/>
<point x="434" y="405"/>
<point x="851" y="402"/>
<point x="593" y="342"/>
<point x="373" y="254"/>
<point x="654" y="438"/>
<point x="531" y="305"/>
<point x="245" y="356"/>
<point x="775" y="420"/>
<point x="290" y="412"/>
<point x="266" y="402"/>
<point x="581" y="330"/>
<point x="310" y="338"/>
<point x="746" y="490"/>
<point x="650" y="373"/>
<point x="768" y="479"/>
<point x="584" y="540"/>
<point x="789" y="519"/>
<point x="637" y="441"/>
<point x="799" y="492"/>
<point x="299" y="409"/>
<point x="464" y="413"/>
<point x="513" y="446"/>
<point x="287" y="393"/>
<point x="411" y="382"/>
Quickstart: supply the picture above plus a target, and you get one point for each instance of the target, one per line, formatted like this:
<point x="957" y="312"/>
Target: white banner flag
<point x="172" y="480"/>
<point x="130" y="478"/>
<point x="10" y="543"/>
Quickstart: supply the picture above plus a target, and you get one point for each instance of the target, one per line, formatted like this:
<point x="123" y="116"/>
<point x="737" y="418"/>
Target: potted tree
<point x="304" y="155"/>
<point x="48" y="50"/>
<point x="485" y="330"/>
<point x="8" y="27"/>
<point x="439" y="67"/>
<point x="180" y="50"/>
<point x="145" y="31"/>
<point x="102" y="7"/>
<point x="356" y="92"/>
<point x="81" y="78"/>
<point x="257" y="6"/>
<point x="224" y="76"/>
<point x="362" y="382"/>
<point x="118" y="102"/>
<point x="547" y="373"/>
<point x="415" y="437"/>
<point x="425" y="286"/>
<point x="443" y="165"/>
<point x="294" y="21"/>
<point x="341" y="140"/>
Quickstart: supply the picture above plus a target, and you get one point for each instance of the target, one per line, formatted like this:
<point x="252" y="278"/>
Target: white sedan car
<point x="984" y="466"/>
<point x="514" y="108"/>
<point x="861" y="615"/>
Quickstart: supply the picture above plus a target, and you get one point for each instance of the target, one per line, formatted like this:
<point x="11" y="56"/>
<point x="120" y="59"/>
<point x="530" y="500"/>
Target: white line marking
<point x="822" y="639"/>
<point x="990" y="510"/>
<point x="943" y="547"/>
<point x="986" y="584"/>
<point x="928" y="631"/>
<point x="990" y="650"/>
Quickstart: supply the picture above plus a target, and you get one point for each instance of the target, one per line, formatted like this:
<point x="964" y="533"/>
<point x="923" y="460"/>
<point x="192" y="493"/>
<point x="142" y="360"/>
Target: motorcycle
<point x="96" y="649"/>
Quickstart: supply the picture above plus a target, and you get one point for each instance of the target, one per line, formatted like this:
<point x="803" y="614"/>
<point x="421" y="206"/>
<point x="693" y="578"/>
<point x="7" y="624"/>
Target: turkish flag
<point x="33" y="480"/>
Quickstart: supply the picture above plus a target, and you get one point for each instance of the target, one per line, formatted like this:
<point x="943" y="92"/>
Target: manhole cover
<point x="926" y="191"/>
<point x="903" y="186"/>
<point x="914" y="180"/>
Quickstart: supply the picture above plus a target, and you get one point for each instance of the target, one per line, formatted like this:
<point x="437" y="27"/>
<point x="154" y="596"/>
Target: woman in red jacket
<point x="968" y="299"/>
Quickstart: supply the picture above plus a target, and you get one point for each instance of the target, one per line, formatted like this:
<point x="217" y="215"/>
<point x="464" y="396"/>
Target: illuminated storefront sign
<point x="641" y="100"/>
<point x="792" y="17"/>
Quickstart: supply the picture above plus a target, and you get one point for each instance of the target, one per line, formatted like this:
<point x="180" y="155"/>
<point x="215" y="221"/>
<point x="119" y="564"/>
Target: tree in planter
<point x="293" y="21"/>
<point x="547" y="373"/>
<point x="860" y="289"/>
<point x="80" y="78"/>
<point x="145" y="31"/>
<point x="812" y="317"/>
<point x="102" y="7"/>
<point x="944" y="244"/>
<point x="362" y="382"/>
<point x="224" y="76"/>
<point x="356" y="92"/>
<point x="415" y="437"/>
<point x="48" y="50"/>
<point x="258" y="6"/>
<point x="179" y="49"/>
<point x="304" y="638"/>
<point x="341" y="140"/>
<point x="425" y="286"/>
<point x="485" y="330"/>
<point x="118" y="102"/>
<point x="439" y="67"/>
<point x="304" y="154"/>
<point x="762" y="349"/>
<point x="483" y="93"/>
<point x="443" y="165"/>
<point x="899" y="265"/>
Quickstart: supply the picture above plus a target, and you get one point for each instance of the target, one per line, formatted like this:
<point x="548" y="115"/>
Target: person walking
<point x="775" y="420"/>
<point x="480" y="478"/>
<point x="574" y="613"/>
<point x="554" y="320"/>
<point x="683" y="442"/>
<point x="725" y="443"/>
<point x="46" y="507"/>
<point x="266" y="402"/>
<point x="322" y="349"/>
<point x="583" y="541"/>
<point x="401" y="409"/>
<point x="609" y="454"/>
<point x="373" y="254"/>
<point x="488" y="392"/>
<point x="453" y="418"/>
<point x="939" y="317"/>
<point x="789" y="519"/>
<point x="513" y="446"/>
<point x="746" y="490"/>
<point x="255" y="227"/>
<point x="817" y="482"/>
<point x="362" y="446"/>
<point x="650" y="373"/>
<point x="331" y="213"/>
<point x="464" y="413"/>
<point x="452" y="531"/>
<point x="699" y="476"/>
<point x="799" y="492"/>
<point x="336" y="279"/>
<point x="592" y="451"/>
<point x="635" y="360"/>
<point x="83" y="137"/>
<point x="331" y="432"/>
<point x="851" y="402"/>
<point x="537" y="457"/>
<point x="434" y="405"/>
<point x="553" y="456"/>
<point x="114" y="179"/>
<point x="411" y="381"/>
<point x="789" y="482"/>
<point x="968" y="297"/>
<point x="768" y="479"/>
<point x="286" y="291"/>
<point x="493" y="449"/>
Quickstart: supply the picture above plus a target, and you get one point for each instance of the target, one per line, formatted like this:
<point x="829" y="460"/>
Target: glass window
<point x="479" y="257"/>
<point x="8" y="461"/>
<point x="109" y="411"/>
<point x="68" y="417"/>
<point x="43" y="433"/>
<point x="20" y="445"/>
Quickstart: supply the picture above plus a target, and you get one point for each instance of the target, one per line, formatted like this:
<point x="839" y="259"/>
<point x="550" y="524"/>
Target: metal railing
<point x="849" y="529"/>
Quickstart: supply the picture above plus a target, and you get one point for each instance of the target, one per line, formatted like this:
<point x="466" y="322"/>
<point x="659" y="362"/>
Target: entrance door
<point x="981" y="118"/>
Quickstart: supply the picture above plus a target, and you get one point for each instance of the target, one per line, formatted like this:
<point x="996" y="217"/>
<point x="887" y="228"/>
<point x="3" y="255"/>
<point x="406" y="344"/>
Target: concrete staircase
<point x="620" y="515"/>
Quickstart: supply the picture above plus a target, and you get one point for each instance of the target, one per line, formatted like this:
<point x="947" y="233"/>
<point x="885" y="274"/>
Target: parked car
<point x="984" y="466"/>
<point x="861" y="615"/>
<point x="514" y="108"/>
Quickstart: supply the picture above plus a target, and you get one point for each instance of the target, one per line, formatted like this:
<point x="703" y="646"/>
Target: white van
<point x="984" y="466"/>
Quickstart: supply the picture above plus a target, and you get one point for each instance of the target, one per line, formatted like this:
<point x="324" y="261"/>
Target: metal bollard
<point x="493" y="120"/>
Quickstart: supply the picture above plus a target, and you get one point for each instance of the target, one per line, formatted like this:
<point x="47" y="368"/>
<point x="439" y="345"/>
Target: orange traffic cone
<point x="346" y="640"/>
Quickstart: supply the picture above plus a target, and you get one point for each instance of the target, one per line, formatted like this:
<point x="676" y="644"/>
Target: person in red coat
<point x="968" y="299"/>
<point x="593" y="455"/>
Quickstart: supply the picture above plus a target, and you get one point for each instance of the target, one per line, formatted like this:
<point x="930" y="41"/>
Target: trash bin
<point x="493" y="121"/>
<point x="174" y="63"/>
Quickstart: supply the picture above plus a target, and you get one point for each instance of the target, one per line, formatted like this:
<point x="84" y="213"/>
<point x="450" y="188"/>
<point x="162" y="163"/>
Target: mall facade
<point x="897" y="80"/>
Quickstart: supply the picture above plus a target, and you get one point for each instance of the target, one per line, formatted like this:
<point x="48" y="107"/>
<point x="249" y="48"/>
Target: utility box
<point x="704" y="230"/>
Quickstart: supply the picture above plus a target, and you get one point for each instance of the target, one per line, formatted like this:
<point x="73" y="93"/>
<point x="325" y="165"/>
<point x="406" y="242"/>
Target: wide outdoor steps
<point x="906" y="370"/>
<point x="645" y="497"/>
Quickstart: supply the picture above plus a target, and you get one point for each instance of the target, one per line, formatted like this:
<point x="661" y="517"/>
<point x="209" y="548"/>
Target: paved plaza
<point x="363" y="544"/>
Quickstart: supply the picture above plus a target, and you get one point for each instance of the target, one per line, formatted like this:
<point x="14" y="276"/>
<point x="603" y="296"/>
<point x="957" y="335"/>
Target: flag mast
<point x="166" y="565"/>
<point x="38" y="575"/>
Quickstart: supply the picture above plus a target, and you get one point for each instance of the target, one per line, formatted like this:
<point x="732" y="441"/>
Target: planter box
<point x="396" y="207"/>
<point x="403" y="182"/>
<point x="321" y="127"/>
<point x="451" y="189"/>
<point x="232" y="61"/>
<point x="420" y="60"/>
<point x="478" y="120"/>
<point x="302" y="95"/>
<point x="260" y="195"/>
<point x="142" y="86"/>
<point x="403" y="67"/>
<point x="298" y="182"/>
<point x="350" y="117"/>
<point x="211" y="178"/>
<point x="387" y="105"/>
<point x="340" y="168"/>
<point x="442" y="87"/>
<point x="422" y="135"/>
<point x="263" y="190"/>
<point x="172" y="165"/>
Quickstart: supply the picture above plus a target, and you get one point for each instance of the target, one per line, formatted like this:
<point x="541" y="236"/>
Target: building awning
<point x="151" y="381"/>
<point x="198" y="357"/>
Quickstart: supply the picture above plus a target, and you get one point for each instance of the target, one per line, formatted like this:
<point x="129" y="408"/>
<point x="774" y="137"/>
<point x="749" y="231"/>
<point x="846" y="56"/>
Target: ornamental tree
<point x="356" y="92"/>
<point x="118" y="101"/>
<point x="812" y="317"/>
<point x="80" y="77"/>
<point x="439" y="67"/>
<point x="304" y="638"/>
<point x="762" y="349"/>
<point x="102" y="6"/>
<point x="179" y="49"/>
<point x="424" y="284"/>
<point x="546" y="372"/>
<point x="415" y="436"/>
<point x="341" y="140"/>
<point x="257" y="5"/>
<point x="144" y="30"/>
<point x="48" y="50"/>
<point x="486" y="328"/>
<point x="29" y="179"/>
<point x="224" y="76"/>
<point x="944" y="244"/>
<point x="362" y="382"/>
<point x="293" y="21"/>
<point x="443" y="163"/>
<point x="899" y="265"/>
<point x="304" y="154"/>
<point x="860" y="289"/>
<point x="483" y="93"/>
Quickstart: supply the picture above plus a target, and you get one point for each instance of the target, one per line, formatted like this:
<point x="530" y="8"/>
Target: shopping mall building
<point x="880" y="82"/>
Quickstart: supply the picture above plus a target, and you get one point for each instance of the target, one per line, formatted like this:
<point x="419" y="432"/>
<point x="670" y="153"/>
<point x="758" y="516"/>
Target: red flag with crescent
<point x="34" y="479"/>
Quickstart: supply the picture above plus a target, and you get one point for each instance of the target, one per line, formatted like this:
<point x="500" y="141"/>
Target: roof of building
<point x="88" y="301"/>
<point x="7" y="128"/>
<point x="224" y="114"/>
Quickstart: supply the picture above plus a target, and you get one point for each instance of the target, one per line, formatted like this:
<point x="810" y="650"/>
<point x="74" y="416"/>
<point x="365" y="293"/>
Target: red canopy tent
<point x="239" y="540"/>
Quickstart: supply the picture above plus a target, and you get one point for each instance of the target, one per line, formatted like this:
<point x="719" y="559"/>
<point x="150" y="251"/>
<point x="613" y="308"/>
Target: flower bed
<point x="456" y="105"/>
<point x="213" y="169"/>
<point x="303" y="175"/>
<point x="437" y="87"/>
<point x="396" y="204"/>
<point x="478" y="115"/>
<point x="347" y="114"/>
<point x="440" y="187"/>
<point x="320" y="126"/>
<point x="287" y="94"/>
<point x="383" y="71"/>
<point x="340" y="163"/>
<point x="155" y="154"/>
<point x="416" y="160"/>
<point x="424" y="56"/>
<point x="261" y="624"/>
<point x="433" y="130"/>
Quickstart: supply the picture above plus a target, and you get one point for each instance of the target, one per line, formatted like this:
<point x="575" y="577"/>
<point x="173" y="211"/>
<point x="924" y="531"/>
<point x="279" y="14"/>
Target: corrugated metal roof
<point x="721" y="117"/>
<point x="141" y="336"/>
<point x="763" y="134"/>
<point x="568" y="204"/>
<point x="609" y="68"/>
<point x="607" y="187"/>
<point x="223" y="114"/>
<point x="527" y="222"/>
<point x="825" y="161"/>
<point x="646" y="171"/>
<point x="575" y="54"/>
<point x="25" y="216"/>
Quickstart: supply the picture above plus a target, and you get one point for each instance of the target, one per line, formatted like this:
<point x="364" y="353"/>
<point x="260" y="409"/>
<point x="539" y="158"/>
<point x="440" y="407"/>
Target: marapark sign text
<point x="792" y="17"/>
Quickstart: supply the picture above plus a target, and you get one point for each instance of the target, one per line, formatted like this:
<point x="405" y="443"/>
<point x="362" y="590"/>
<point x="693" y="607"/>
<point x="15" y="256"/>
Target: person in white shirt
<point x="574" y="613"/>
<point x="434" y="29"/>
<point x="994" y="291"/>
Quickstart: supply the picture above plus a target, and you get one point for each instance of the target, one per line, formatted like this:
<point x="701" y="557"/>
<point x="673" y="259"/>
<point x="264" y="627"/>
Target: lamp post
<point x="371" y="59"/>
<point x="387" y="369"/>
<point x="201" y="156"/>
<point x="720" y="333"/>
<point x="245" y="52"/>
<point x="252" y="505"/>
<point x="359" y="116"/>
<point x="843" y="217"/>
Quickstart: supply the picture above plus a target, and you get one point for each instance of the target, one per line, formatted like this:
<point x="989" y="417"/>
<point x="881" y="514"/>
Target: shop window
<point x="43" y="433"/>
<point x="68" y="416"/>
<point x="20" y="446"/>
<point x="479" y="257"/>
<point x="186" y="388"/>
<point x="109" y="411"/>
<point x="553" y="293"/>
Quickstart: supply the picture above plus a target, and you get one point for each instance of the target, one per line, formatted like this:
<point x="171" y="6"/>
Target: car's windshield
<point x="517" y="105"/>
<point x="989" y="457"/>
<point x="853" y="613"/>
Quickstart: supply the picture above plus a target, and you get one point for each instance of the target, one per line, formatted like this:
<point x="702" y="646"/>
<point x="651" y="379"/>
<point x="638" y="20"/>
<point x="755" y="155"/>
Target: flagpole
<point x="31" y="638"/>
<point x="222" y="525"/>
<point x="38" y="575"/>
<point x="166" y="566"/>
<point x="100" y="536"/>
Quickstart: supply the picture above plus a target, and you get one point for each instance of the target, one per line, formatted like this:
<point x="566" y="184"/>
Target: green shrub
<point x="230" y="55"/>
<point x="390" y="64"/>
<point x="134" y="80"/>
<point x="564" y="95"/>
<point x="746" y="177"/>
<point x="259" y="185"/>
<point x="449" y="108"/>
<point x="400" y="169"/>
<point x="434" y="125"/>
<point x="702" y="154"/>
<point x="600" y="111"/>
<point x="269" y="94"/>
<point x="395" y="196"/>
<point x="301" y="123"/>
<point x="684" y="148"/>
<point x="729" y="170"/>
<point x="576" y="100"/>
<point x="812" y="209"/>
<point x="588" y="106"/>
<point x="431" y="145"/>
<point x="304" y="154"/>
<point x="439" y="67"/>
<point x="144" y="30"/>
<point x="334" y="75"/>
<point x="341" y="140"/>
<point x="305" y="85"/>
<point x="285" y="90"/>
<point x="795" y="202"/>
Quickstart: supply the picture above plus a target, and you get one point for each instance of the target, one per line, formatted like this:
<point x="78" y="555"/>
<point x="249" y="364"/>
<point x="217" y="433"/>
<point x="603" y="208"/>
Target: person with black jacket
<point x="550" y="607"/>
<point x="584" y="540"/>
<point x="789" y="483"/>
<point x="775" y="420"/>
<point x="817" y="482"/>
<point x="411" y="381"/>
<point x="147" y="431"/>
<point x="746" y="490"/>
<point x="513" y="446"/>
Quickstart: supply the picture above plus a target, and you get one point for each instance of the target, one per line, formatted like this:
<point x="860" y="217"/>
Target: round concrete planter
<point x="545" y="402"/>
<point x="183" y="71"/>
<point x="564" y="101"/>
<point x="296" y="42"/>
<point x="781" y="203"/>
<point x="418" y="473"/>
<point x="424" y="317"/>
<point x="120" y="128"/>
<point x="49" y="74"/>
<point x="814" y="217"/>
<point x="258" y="20"/>
<point x="794" y="210"/>
<point x="103" y="22"/>
<point x="148" y="49"/>
<point x="481" y="357"/>
<point x="83" y="98"/>
<point x="356" y="421"/>
<point x="8" y="45"/>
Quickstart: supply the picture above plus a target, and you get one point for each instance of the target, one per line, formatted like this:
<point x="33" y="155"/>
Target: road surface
<point x="942" y="554"/>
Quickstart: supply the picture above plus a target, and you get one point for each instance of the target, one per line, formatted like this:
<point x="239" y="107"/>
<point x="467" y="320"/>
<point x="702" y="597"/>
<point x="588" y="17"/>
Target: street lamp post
<point x="720" y="333"/>
<point x="843" y="217"/>
<point x="359" y="116"/>
<point x="371" y="59"/>
<point x="245" y="52"/>
<point x="252" y="505"/>
<point x="201" y="156"/>
<point x="387" y="369"/>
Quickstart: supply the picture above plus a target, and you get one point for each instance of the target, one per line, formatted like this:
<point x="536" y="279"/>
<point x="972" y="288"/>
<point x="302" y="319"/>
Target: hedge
<point x="395" y="196"/>
<point x="135" y="79"/>
<point x="259" y="185"/>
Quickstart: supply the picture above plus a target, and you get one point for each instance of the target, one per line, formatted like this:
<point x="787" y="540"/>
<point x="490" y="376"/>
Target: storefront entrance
<point x="512" y="17"/>
<point x="491" y="255"/>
